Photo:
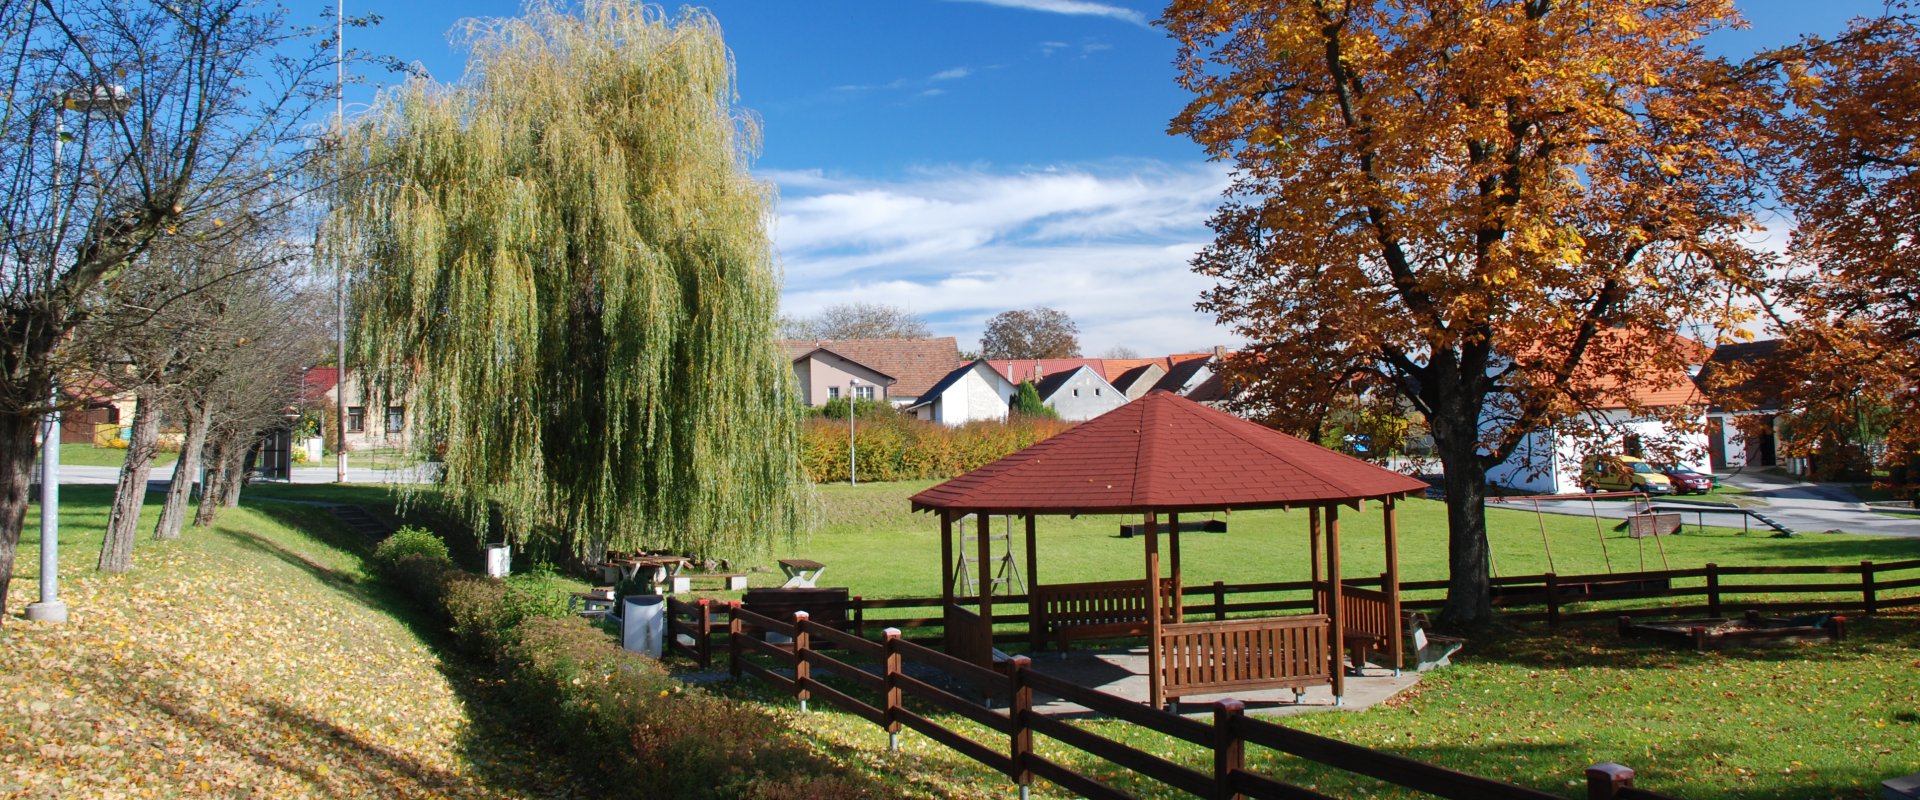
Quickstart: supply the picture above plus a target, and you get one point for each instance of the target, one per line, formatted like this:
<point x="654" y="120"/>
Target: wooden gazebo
<point x="1164" y="455"/>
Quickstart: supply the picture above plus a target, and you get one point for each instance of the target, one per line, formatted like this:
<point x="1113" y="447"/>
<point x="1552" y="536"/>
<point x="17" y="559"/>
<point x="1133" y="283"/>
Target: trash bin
<point x="643" y="623"/>
<point x="499" y="560"/>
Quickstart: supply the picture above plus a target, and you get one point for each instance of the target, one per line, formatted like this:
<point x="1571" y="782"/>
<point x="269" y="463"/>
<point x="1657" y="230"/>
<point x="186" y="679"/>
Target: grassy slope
<point x="245" y="658"/>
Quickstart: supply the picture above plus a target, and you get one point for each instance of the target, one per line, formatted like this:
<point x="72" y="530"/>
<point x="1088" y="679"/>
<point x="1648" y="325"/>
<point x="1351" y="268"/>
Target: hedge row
<point x="895" y="447"/>
<point x="619" y="718"/>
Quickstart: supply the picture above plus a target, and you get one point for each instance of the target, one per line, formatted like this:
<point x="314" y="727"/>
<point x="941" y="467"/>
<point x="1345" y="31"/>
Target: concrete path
<point x="1804" y="507"/>
<point x="1123" y="673"/>
<point x="78" y="475"/>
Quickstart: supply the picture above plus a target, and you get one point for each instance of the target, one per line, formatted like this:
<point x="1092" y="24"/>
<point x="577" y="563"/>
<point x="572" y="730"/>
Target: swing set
<point x="1642" y="507"/>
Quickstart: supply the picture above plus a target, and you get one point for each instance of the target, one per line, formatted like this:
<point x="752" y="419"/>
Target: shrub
<point x="411" y="541"/>
<point x="897" y="447"/>
<point x="619" y="717"/>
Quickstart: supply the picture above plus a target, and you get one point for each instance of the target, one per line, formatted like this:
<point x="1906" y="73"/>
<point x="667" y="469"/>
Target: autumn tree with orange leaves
<point x="1465" y="202"/>
<point x="1850" y="173"/>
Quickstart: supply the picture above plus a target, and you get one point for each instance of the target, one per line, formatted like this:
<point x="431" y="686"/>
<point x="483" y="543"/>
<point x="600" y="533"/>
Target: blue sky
<point x="963" y="157"/>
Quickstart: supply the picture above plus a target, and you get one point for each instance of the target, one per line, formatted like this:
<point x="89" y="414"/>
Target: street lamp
<point x="853" y="473"/>
<point x="106" y="100"/>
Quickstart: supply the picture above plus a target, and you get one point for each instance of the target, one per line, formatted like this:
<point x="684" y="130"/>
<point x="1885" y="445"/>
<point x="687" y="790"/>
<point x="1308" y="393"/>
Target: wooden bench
<point x="732" y="581"/>
<point x="1099" y="610"/>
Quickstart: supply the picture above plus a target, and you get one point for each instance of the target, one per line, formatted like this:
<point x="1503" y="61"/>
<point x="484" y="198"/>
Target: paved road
<point x="75" y="475"/>
<point x="1804" y="507"/>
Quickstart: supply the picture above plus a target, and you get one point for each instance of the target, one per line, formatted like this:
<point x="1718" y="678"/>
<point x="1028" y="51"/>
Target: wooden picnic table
<point x="660" y="568"/>
<point x="801" y="573"/>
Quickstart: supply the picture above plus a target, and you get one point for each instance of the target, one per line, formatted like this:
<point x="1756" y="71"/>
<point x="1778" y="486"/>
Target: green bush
<point x="411" y="541"/>
<point x="619" y="718"/>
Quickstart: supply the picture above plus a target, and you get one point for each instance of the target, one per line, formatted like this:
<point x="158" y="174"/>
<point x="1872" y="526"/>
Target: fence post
<point x="860" y="617"/>
<point x="802" y="671"/>
<point x="734" y="637"/>
<point x="703" y="648"/>
<point x="1553" y="600"/>
<point x="1713" y="590"/>
<point x="1868" y="595"/>
<point x="1605" y="780"/>
<point x="890" y="694"/>
<point x="1219" y="600"/>
<point x="1019" y="712"/>
<point x="1229" y="748"/>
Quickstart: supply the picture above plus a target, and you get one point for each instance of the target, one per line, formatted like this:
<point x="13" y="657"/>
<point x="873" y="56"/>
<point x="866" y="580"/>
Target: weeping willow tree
<point x="562" y="264"/>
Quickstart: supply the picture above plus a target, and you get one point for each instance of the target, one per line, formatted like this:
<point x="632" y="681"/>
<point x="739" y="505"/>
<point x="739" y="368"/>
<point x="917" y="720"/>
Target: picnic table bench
<point x="731" y="581"/>
<point x="801" y="573"/>
<point x="1097" y="610"/>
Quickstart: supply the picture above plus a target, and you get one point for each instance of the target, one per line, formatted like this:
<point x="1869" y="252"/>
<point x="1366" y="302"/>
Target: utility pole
<point x="340" y="268"/>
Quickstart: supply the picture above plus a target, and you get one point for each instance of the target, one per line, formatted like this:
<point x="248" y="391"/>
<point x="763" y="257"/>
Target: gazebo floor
<point x="1122" y="672"/>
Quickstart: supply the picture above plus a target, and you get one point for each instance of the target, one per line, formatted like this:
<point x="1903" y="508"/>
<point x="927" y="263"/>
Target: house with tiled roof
<point x="1548" y="461"/>
<point x="899" y="371"/>
<point x="1742" y="383"/>
<point x="971" y="392"/>
<point x="1135" y="380"/>
<point x="1079" y="394"/>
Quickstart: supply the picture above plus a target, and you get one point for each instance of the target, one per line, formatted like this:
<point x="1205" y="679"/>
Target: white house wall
<point x="1085" y="396"/>
<point x="1549" y="463"/>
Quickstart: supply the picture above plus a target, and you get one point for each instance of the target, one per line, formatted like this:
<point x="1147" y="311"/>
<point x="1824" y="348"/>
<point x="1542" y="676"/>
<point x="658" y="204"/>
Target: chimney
<point x="1219" y="353"/>
<point x="1037" y="371"/>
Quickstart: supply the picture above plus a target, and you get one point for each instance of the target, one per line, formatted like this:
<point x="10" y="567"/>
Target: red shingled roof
<point x="1164" y="452"/>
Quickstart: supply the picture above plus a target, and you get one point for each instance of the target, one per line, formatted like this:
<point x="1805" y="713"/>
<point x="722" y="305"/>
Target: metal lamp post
<point x="109" y="101"/>
<point x="853" y="472"/>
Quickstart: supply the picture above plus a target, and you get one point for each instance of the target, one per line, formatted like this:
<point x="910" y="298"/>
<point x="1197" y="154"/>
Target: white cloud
<point x="951" y="74"/>
<point x="1080" y="8"/>
<point x="1107" y="245"/>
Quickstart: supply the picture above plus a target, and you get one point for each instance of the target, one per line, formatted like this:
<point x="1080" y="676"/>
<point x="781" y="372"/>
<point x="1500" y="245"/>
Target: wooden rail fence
<point x="895" y="684"/>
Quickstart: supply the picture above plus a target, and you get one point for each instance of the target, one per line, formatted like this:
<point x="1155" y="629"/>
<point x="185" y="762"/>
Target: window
<point x="356" y="419"/>
<point x="863" y="392"/>
<point x="1096" y="391"/>
<point x="1076" y="393"/>
<point x="396" y="418"/>
<point x="833" y="393"/>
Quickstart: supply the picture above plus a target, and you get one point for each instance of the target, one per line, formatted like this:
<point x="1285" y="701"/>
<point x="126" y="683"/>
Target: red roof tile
<point x="1164" y="452"/>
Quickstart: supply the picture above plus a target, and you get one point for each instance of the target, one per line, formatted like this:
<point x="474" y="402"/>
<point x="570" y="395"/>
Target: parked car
<point x="1611" y="473"/>
<point x="1686" y="481"/>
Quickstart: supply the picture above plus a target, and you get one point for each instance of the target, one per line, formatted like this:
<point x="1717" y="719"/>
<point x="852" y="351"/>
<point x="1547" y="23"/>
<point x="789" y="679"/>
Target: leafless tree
<point x="122" y="121"/>
<point x="856" y="321"/>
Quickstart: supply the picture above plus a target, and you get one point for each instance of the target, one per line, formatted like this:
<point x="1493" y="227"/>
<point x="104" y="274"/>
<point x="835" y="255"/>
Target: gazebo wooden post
<point x="946" y="561"/>
<point x="1155" y="692"/>
<point x="1313" y="557"/>
<point x="1036" y="621"/>
<point x="1179" y="602"/>
<point x="984" y="549"/>
<point x="1338" y="634"/>
<point x="1397" y="644"/>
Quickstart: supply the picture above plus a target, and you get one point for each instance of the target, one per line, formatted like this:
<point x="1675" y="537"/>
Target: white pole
<point x="340" y="271"/>
<point x="51" y="608"/>
<point x="853" y="470"/>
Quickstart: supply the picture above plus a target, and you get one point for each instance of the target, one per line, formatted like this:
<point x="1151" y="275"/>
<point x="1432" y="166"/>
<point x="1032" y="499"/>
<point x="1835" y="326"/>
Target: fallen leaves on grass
<point x="240" y="664"/>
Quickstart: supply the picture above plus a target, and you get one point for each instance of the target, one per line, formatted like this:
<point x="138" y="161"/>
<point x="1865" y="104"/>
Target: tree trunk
<point x="1456" y="435"/>
<point x="174" y="513"/>
<point x="16" y="471"/>
<point x="216" y="477"/>
<point x="130" y="494"/>
<point x="243" y="461"/>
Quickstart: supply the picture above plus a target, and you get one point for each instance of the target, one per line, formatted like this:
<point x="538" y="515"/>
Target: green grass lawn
<point x="86" y="455"/>
<point x="1532" y="706"/>
<point x="875" y="546"/>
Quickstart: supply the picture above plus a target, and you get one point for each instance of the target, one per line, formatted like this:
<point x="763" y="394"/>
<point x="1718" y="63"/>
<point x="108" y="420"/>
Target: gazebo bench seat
<point x="1099" y="610"/>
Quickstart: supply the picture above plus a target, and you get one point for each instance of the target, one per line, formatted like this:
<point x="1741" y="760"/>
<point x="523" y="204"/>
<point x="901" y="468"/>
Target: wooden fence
<point x="892" y="685"/>
<point x="1712" y="590"/>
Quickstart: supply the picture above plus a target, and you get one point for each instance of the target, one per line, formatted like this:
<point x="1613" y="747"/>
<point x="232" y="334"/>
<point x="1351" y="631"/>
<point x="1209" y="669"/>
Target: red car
<point x="1686" y="481"/>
